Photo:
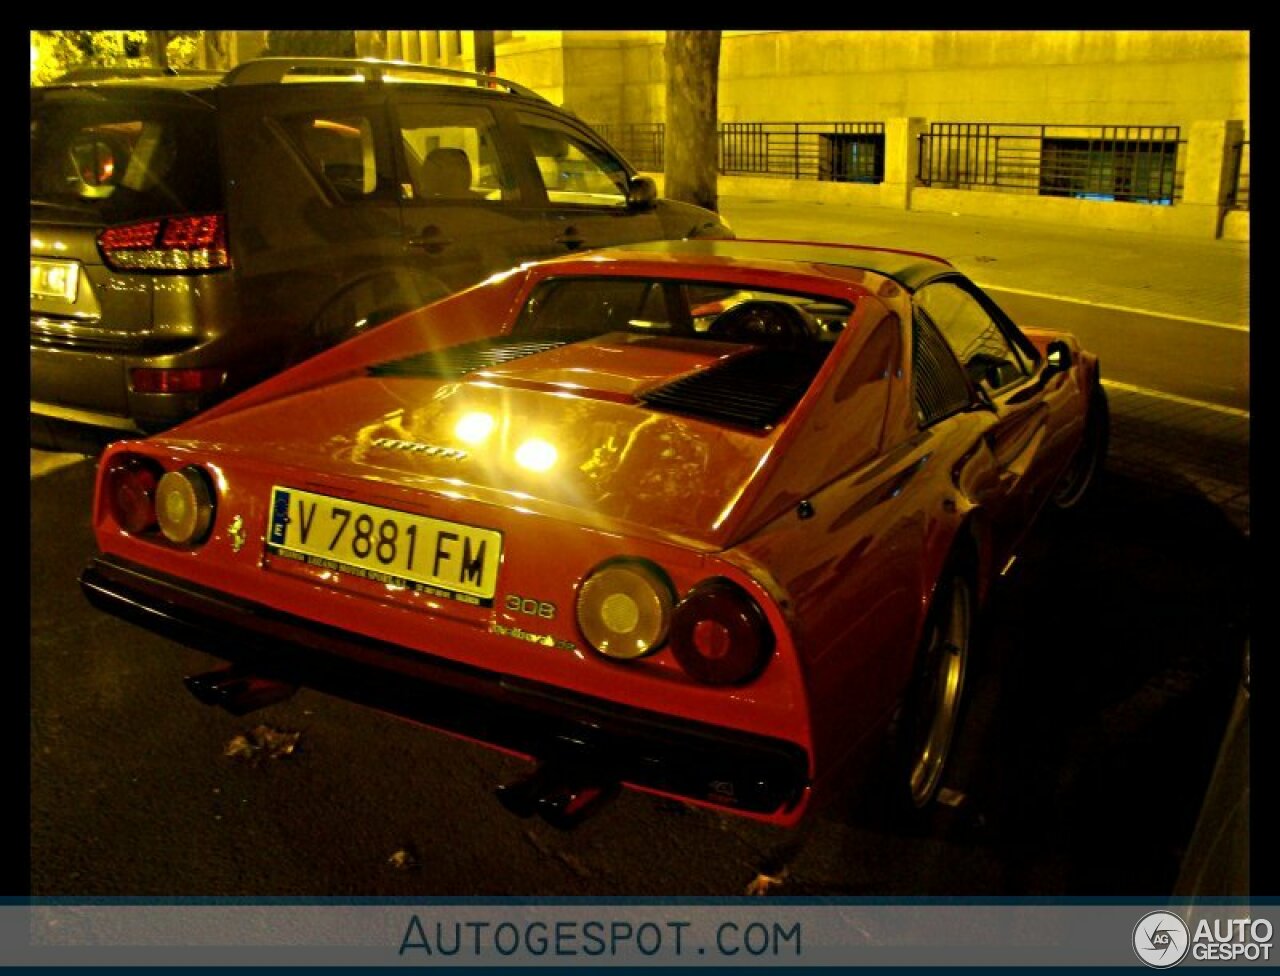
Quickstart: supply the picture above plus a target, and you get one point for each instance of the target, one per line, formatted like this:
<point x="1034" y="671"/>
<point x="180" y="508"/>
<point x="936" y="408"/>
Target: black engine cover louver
<point x="459" y="360"/>
<point x="754" y="390"/>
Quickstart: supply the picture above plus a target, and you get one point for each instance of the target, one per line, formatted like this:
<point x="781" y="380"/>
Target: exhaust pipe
<point x="237" y="691"/>
<point x="564" y="795"/>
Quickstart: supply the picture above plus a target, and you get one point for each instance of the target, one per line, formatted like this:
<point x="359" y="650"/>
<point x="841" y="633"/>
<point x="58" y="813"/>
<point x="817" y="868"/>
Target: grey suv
<point x="192" y="235"/>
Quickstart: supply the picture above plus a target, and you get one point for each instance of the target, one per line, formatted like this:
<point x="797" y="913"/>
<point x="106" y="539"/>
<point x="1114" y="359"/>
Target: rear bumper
<point x="58" y="430"/>
<point x="739" y="771"/>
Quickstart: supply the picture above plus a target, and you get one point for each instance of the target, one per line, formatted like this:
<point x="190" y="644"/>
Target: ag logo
<point x="1161" y="939"/>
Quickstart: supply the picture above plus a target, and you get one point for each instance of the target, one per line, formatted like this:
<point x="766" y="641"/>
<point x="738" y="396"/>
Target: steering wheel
<point x="778" y="325"/>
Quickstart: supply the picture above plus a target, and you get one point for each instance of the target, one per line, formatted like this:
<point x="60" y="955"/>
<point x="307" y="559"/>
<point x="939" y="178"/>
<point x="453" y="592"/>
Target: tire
<point x="930" y="716"/>
<point x="1080" y="479"/>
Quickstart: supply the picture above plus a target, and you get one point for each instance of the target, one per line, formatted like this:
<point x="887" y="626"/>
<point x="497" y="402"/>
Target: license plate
<point x="54" y="279"/>
<point x="428" y="555"/>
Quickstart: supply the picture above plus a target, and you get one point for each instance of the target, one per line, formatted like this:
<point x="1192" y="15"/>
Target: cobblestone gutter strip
<point x="1179" y="447"/>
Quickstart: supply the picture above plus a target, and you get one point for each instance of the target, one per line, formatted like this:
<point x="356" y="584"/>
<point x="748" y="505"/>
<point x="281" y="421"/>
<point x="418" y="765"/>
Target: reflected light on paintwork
<point x="503" y="275"/>
<point x="37" y="244"/>
<point x="219" y="479"/>
<point x="536" y="454"/>
<point x="474" y="428"/>
<point x="737" y="495"/>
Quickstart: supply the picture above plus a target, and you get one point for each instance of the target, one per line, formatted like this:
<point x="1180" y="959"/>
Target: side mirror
<point x="642" y="193"/>
<point x="1057" y="358"/>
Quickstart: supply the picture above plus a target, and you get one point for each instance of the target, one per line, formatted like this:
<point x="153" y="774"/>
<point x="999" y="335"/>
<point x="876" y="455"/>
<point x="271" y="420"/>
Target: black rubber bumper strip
<point x="728" y="767"/>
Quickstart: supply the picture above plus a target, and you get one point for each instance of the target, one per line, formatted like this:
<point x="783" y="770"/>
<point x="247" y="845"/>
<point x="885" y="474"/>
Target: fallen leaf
<point x="761" y="883"/>
<point x="403" y="860"/>
<point x="262" y="741"/>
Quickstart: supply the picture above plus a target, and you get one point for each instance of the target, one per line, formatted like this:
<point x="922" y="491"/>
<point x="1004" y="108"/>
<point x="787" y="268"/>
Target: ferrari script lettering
<point x="546" y="640"/>
<point x="413" y="447"/>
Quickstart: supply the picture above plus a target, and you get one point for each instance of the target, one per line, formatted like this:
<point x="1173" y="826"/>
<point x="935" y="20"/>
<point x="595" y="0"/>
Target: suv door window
<point x="573" y="170"/>
<point x="451" y="154"/>
<point x="973" y="335"/>
<point x="463" y="214"/>
<point x="346" y="150"/>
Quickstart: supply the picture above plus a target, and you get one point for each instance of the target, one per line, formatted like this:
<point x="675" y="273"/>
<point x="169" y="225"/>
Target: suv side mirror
<point x="642" y="193"/>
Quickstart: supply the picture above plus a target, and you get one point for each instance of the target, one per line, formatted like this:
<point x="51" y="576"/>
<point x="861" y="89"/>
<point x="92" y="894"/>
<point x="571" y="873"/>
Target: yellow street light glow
<point x="474" y="428"/>
<point x="536" y="455"/>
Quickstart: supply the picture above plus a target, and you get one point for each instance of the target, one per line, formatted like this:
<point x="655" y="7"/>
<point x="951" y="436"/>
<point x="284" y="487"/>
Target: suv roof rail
<point x="112" y="72"/>
<point x="267" y="71"/>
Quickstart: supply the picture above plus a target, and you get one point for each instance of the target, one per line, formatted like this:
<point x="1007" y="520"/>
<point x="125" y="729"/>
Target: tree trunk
<point x="693" y="75"/>
<point x="216" y="48"/>
<point x="371" y="44"/>
<point x="158" y="42"/>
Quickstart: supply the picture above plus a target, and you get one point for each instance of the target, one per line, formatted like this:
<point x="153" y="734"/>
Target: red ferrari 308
<point x="702" y="518"/>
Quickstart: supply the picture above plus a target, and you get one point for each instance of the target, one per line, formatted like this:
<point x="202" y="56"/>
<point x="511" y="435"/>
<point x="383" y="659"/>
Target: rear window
<point x="718" y="311"/>
<point x="121" y="159"/>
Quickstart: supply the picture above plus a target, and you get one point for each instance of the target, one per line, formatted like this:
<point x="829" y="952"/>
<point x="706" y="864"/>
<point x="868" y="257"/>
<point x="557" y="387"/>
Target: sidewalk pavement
<point x="1164" y="442"/>
<point x="1183" y="277"/>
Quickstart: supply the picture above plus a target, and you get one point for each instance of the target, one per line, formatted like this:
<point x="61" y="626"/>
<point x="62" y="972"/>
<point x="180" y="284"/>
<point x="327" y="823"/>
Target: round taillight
<point x="184" y="505"/>
<point x="624" y="608"/>
<point x="130" y="492"/>
<point x="720" y="635"/>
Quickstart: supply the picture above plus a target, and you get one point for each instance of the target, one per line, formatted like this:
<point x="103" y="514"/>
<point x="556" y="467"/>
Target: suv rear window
<point x="123" y="159"/>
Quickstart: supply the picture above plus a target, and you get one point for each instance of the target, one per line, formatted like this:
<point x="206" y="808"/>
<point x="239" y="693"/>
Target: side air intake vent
<point x="459" y="360"/>
<point x="755" y="389"/>
<point x="940" y="385"/>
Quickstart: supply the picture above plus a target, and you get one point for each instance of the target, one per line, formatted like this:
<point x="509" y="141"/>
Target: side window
<point x="983" y="350"/>
<point x="572" y="169"/>
<point x="451" y="154"/>
<point x="938" y="383"/>
<point x="344" y="151"/>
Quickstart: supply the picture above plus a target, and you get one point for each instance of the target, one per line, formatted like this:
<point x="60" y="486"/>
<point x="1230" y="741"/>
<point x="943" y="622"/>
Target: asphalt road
<point x="1113" y="648"/>
<point x="1082" y="762"/>
<point x="1191" y="359"/>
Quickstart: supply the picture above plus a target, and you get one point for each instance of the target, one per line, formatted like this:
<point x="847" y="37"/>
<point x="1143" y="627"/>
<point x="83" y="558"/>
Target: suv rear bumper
<point x="55" y="428"/>
<point x="741" y="771"/>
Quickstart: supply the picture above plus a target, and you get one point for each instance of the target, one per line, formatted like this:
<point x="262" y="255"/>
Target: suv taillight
<point x="179" y="244"/>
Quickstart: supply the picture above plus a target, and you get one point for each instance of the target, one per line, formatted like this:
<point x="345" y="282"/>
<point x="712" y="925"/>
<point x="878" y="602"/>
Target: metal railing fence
<point x="641" y="142"/>
<point x="1138" y="164"/>
<point x="847" y="152"/>
<point x="1238" y="197"/>
<point x="843" y="152"/>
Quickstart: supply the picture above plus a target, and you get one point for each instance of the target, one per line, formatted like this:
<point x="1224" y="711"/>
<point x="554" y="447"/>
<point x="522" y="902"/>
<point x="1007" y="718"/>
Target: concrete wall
<point x="1164" y="77"/>
<point x="1235" y="227"/>
<point x="603" y="76"/>
<point x="1064" y="77"/>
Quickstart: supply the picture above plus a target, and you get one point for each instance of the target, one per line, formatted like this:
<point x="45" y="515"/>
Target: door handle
<point x="429" y="240"/>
